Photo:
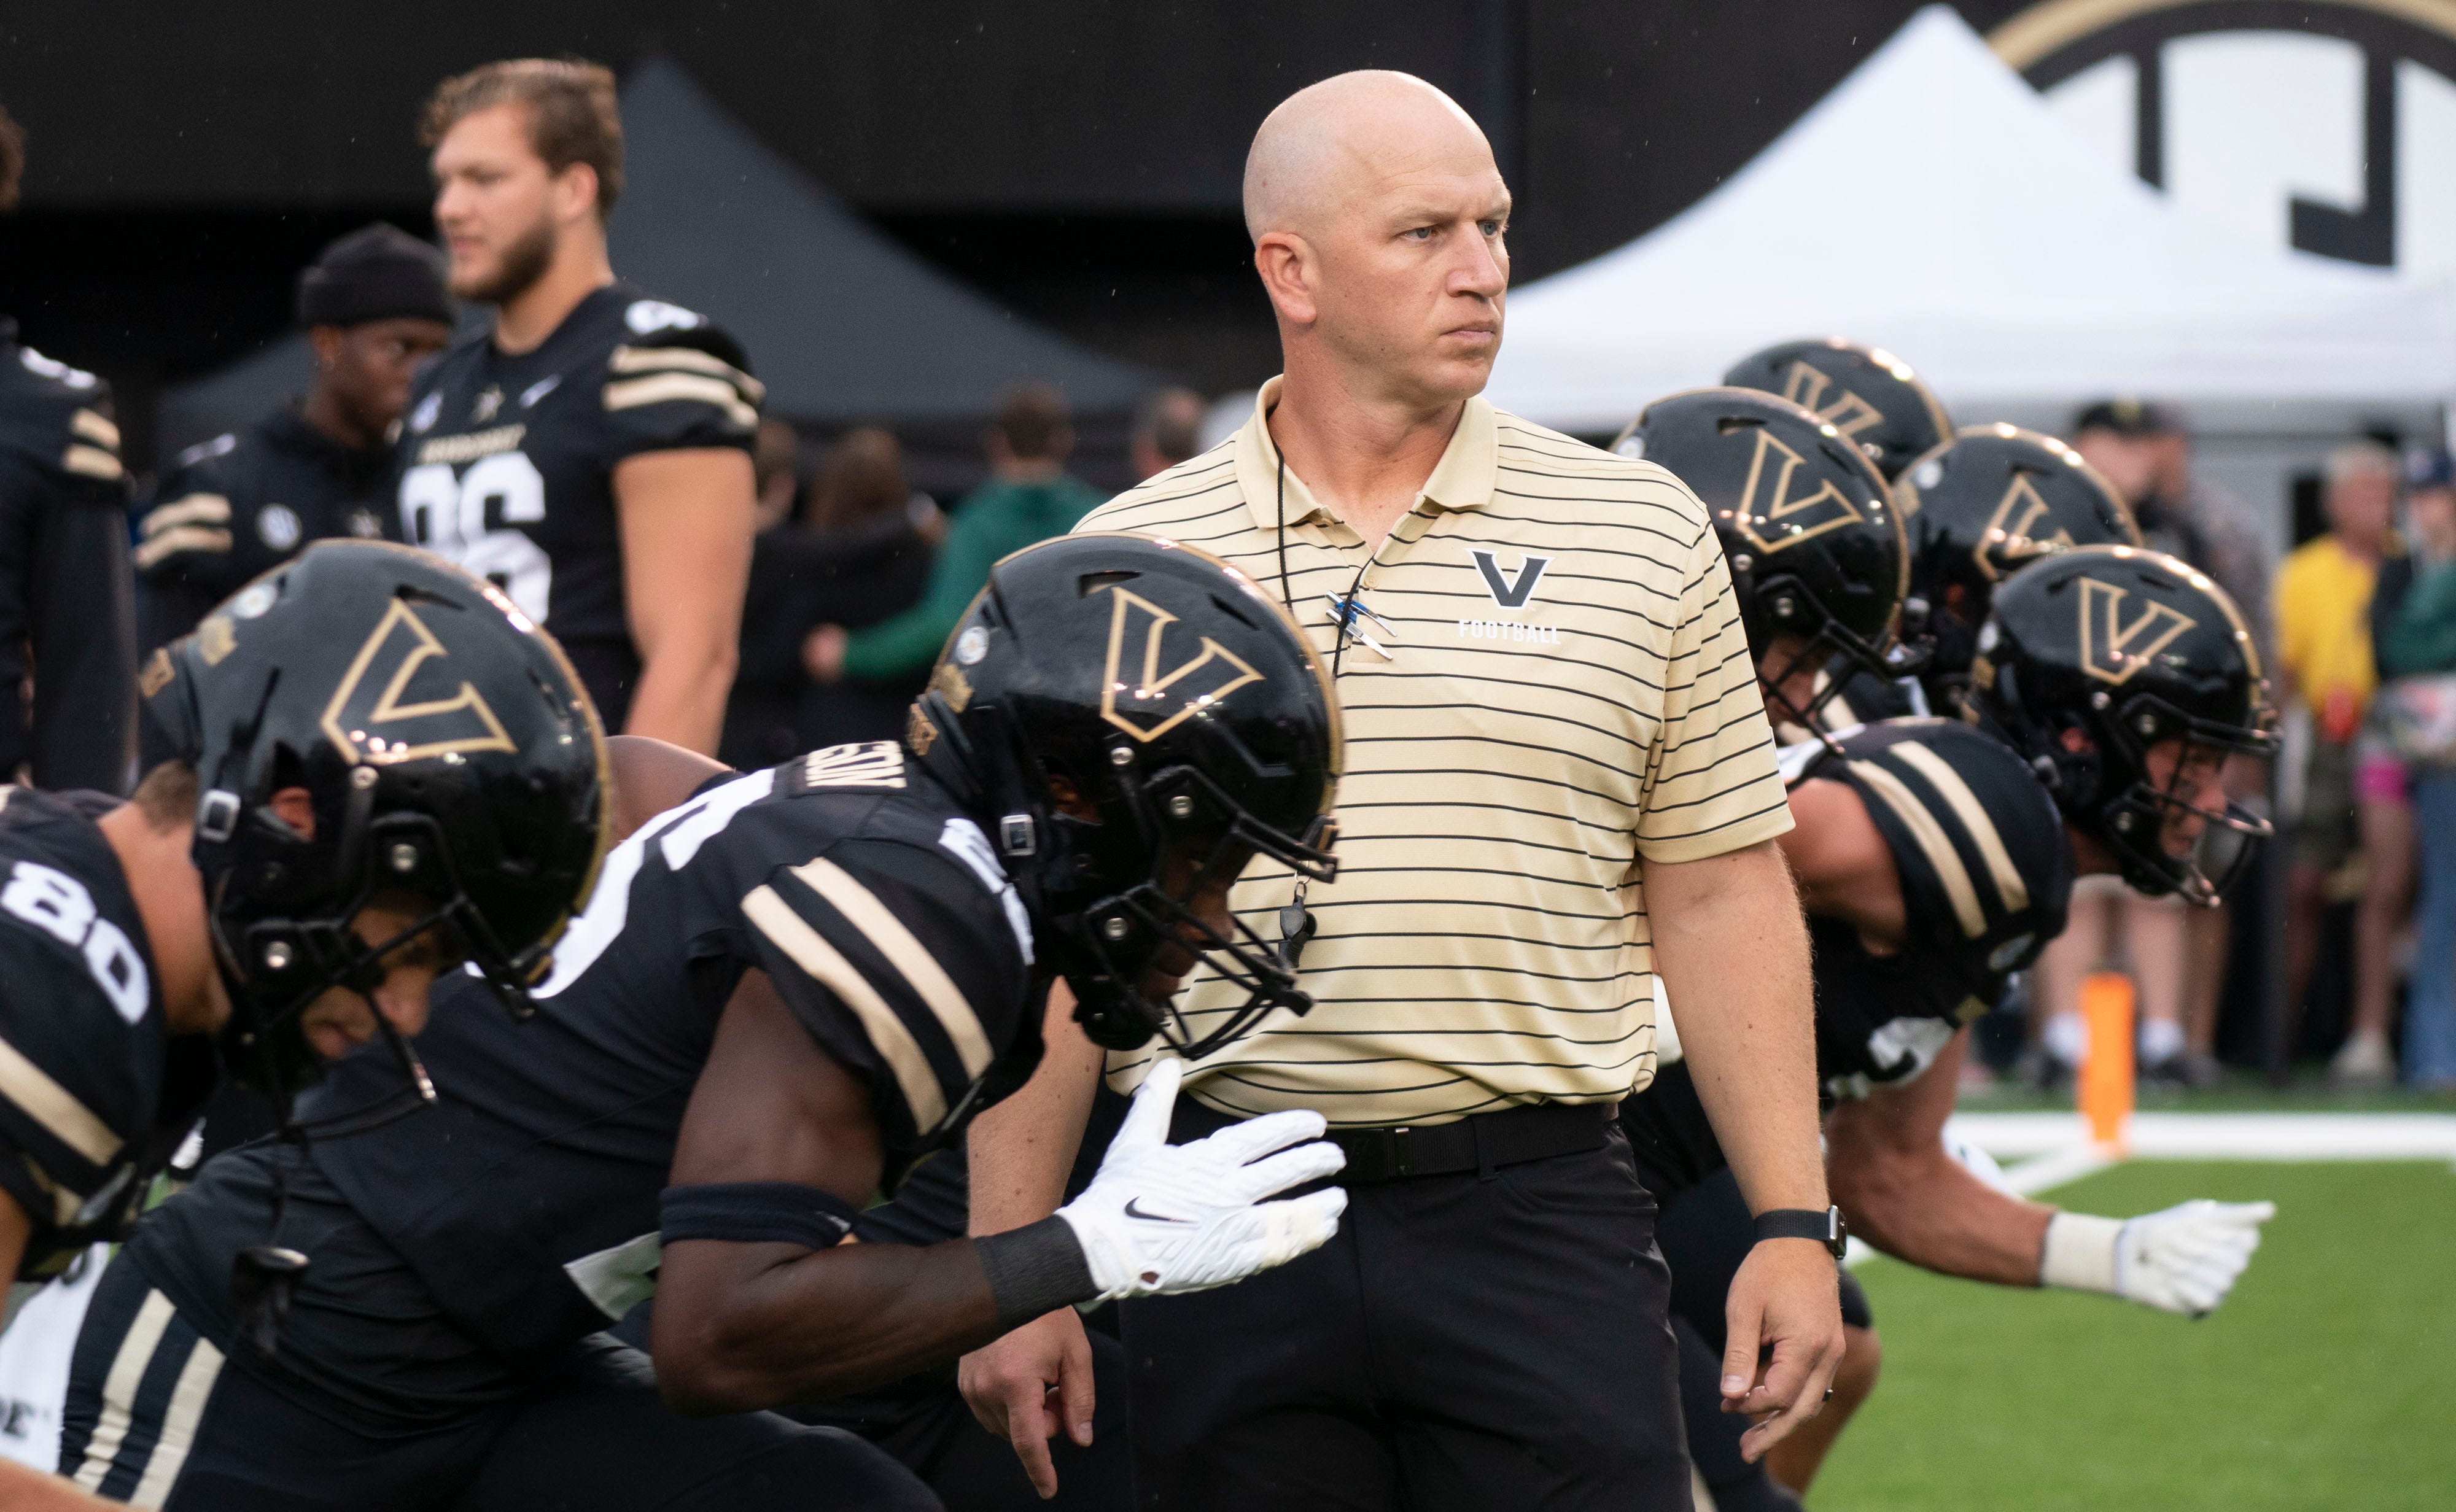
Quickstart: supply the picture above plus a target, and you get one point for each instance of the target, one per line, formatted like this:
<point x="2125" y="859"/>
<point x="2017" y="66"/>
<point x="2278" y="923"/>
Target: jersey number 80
<point x="471" y="519"/>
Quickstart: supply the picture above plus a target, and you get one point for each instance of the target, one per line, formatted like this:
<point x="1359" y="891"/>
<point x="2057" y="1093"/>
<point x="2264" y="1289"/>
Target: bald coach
<point x="1561" y="786"/>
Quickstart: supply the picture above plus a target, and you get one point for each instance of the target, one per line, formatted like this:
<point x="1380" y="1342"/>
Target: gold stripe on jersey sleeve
<point x="188" y="509"/>
<point x="662" y="358"/>
<point x="92" y="461"/>
<point x="921" y="970"/>
<point x="55" y="1106"/>
<point x="658" y="388"/>
<point x="184" y="538"/>
<point x="127" y="1368"/>
<point x="1973" y="814"/>
<point x="1932" y="840"/>
<point x="96" y="428"/>
<point x="827" y="966"/>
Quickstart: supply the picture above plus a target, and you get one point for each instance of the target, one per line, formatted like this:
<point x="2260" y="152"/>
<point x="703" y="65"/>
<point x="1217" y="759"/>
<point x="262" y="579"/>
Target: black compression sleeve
<point x="1036" y="1268"/>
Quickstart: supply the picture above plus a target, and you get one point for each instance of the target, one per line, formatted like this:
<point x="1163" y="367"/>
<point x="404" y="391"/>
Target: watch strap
<point x="1825" y="1226"/>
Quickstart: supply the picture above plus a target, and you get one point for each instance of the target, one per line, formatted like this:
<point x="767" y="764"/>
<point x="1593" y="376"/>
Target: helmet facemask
<point x="1781" y="607"/>
<point x="2163" y="841"/>
<point x="1128" y="893"/>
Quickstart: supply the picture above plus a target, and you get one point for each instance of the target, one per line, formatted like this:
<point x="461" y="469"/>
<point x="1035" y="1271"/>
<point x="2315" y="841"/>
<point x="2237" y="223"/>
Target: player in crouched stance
<point x="1935" y="858"/>
<point x="790" y="987"/>
<point x="383" y="771"/>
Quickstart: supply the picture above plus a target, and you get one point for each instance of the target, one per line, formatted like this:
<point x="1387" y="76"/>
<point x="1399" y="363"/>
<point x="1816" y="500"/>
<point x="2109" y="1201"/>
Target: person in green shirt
<point x="1030" y="497"/>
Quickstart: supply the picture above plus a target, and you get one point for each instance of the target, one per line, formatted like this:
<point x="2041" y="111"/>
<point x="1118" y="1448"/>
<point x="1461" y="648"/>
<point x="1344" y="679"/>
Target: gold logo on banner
<point x="1771" y="516"/>
<point x="2111" y="649"/>
<point x="1155" y="702"/>
<point x="1805" y="387"/>
<point x="2012" y="539"/>
<point x="385" y="727"/>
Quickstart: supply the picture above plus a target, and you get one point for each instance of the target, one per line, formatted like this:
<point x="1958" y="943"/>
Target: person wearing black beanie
<point x="374" y="306"/>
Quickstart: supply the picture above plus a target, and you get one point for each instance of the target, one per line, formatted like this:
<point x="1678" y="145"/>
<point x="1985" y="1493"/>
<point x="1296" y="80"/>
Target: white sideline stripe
<point x="2222" y="1135"/>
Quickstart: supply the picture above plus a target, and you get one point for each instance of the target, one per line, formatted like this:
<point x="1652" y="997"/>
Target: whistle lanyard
<point x="1347" y="610"/>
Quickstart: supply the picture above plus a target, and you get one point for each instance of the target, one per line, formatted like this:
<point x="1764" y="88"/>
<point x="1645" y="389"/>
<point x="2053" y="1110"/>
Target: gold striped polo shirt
<point x="1567" y="694"/>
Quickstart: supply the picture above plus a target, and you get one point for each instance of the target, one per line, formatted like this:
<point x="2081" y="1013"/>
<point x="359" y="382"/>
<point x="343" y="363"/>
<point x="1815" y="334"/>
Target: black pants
<point x="1706" y="1234"/>
<point x="158" y="1415"/>
<point x="1479" y="1342"/>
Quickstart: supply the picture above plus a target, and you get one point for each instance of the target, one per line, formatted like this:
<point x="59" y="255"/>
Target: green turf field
<point x="2327" y="1381"/>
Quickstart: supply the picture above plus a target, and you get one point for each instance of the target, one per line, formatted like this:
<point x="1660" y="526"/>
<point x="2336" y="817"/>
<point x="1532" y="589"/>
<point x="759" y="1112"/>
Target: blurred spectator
<point x="2324" y="661"/>
<point x="1030" y="497"/>
<point x="374" y="306"/>
<point x="1168" y="429"/>
<point x="856" y="556"/>
<point x="67" y="629"/>
<point x="2416" y="633"/>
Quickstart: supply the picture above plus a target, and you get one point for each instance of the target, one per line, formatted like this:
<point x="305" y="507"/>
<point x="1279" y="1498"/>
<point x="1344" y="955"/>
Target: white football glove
<point x="2183" y="1259"/>
<point x="1162" y="1218"/>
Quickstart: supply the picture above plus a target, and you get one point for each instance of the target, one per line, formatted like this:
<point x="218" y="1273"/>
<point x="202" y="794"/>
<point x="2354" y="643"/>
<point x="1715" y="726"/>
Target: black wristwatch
<point x="1804" y="1223"/>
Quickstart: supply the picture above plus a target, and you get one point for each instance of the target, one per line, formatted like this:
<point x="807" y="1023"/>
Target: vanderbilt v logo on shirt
<point x="1153" y="702"/>
<point x="373" y="716"/>
<point x="2112" y="648"/>
<point x="1509" y="593"/>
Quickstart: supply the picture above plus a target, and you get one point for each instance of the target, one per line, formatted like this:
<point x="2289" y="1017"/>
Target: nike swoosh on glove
<point x="2182" y="1260"/>
<point x="1162" y="1218"/>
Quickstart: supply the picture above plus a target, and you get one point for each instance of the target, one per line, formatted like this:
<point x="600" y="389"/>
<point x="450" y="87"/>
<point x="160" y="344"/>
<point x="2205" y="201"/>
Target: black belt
<point x="1473" y="1143"/>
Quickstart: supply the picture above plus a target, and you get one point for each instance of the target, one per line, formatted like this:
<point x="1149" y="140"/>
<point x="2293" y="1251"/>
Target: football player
<point x="788" y="988"/>
<point x="64" y="590"/>
<point x="383" y="770"/>
<point x="1933" y="864"/>
<point x="589" y="451"/>
<point x="374" y="307"/>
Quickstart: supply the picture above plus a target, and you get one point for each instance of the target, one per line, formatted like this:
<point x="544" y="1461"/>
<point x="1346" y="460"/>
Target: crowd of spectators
<point x="2358" y="627"/>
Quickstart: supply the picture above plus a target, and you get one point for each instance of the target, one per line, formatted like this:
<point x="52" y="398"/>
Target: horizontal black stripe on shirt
<point x="1355" y="705"/>
<point x="1261" y="915"/>
<point x="1516" y="841"/>
<point x="1355" y="740"/>
<point x="1559" y="784"/>
<point x="1676" y="835"/>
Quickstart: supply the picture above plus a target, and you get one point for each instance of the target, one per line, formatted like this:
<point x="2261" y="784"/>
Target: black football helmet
<point x="2092" y="657"/>
<point x="1979" y="508"/>
<point x="1868" y="393"/>
<point x="1193" y="725"/>
<point x="1814" y="546"/>
<point x="448" y="755"/>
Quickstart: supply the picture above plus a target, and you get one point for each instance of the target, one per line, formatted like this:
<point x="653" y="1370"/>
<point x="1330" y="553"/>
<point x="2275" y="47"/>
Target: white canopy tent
<point x="1934" y="205"/>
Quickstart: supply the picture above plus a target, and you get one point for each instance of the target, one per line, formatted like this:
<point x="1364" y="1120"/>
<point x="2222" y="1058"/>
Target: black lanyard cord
<point x="1343" y="622"/>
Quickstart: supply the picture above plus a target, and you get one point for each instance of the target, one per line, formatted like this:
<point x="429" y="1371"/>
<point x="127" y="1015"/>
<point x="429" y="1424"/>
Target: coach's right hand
<point x="1030" y="1385"/>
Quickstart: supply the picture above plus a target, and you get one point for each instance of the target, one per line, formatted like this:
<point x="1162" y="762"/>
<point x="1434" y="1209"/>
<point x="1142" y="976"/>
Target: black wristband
<point x="754" y="1212"/>
<point x="1036" y="1268"/>
<point x="1803" y="1223"/>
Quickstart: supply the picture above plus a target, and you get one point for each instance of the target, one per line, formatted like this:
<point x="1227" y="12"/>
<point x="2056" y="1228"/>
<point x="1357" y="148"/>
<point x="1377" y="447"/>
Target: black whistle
<point x="1295" y="927"/>
<point x="264" y="1278"/>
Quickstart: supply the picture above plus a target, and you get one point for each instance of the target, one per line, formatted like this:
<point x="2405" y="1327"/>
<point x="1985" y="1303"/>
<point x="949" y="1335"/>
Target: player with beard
<point x="383" y="771"/>
<point x="1933" y="864"/>
<point x="590" y="453"/>
<point x="373" y="306"/>
<point x="63" y="588"/>
<point x="790" y="989"/>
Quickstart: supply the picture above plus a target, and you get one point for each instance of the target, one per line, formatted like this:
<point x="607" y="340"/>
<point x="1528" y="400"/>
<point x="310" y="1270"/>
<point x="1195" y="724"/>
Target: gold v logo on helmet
<point x="369" y="718"/>
<point x="1770" y="515"/>
<point x="2012" y="537"/>
<point x="2111" y="649"/>
<point x="1804" y="386"/>
<point x="1154" y="702"/>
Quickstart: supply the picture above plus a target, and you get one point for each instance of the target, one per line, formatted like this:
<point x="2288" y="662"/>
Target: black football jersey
<point x="95" y="1094"/>
<point x="1986" y="872"/>
<point x="527" y="1200"/>
<point x="241" y="504"/>
<point x="506" y="462"/>
<point x="64" y="594"/>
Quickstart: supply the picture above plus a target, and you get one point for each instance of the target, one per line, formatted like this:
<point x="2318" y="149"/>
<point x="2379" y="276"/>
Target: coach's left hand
<point x="1783" y="1298"/>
